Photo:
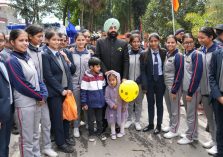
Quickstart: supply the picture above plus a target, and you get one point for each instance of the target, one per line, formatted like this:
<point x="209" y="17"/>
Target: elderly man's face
<point x="112" y="29"/>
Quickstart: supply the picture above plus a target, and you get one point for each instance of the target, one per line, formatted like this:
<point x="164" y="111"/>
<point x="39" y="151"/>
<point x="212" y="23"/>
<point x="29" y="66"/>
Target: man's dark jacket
<point x="114" y="55"/>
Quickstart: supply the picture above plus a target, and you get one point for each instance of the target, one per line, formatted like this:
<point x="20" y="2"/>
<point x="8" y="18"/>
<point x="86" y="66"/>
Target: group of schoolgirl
<point x="42" y="77"/>
<point x="193" y="75"/>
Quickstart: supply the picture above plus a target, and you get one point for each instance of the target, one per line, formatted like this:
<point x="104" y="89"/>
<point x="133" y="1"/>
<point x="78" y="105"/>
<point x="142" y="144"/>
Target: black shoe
<point x="66" y="148"/>
<point x="70" y="142"/>
<point x="52" y="137"/>
<point x="15" y="131"/>
<point x="148" y="128"/>
<point x="157" y="130"/>
<point x="207" y="128"/>
<point x="117" y="130"/>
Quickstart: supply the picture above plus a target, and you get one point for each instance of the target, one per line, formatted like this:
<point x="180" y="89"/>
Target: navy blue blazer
<point x="5" y="106"/>
<point x="52" y="73"/>
<point x="146" y="67"/>
<point x="215" y="71"/>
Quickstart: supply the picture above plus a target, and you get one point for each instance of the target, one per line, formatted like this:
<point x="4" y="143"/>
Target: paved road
<point x="135" y="144"/>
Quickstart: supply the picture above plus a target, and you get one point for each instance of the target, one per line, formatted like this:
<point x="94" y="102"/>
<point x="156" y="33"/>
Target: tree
<point x="33" y="10"/>
<point x="138" y="10"/>
<point x="210" y="17"/>
<point x="157" y="18"/>
<point x="158" y="15"/>
<point x="215" y="10"/>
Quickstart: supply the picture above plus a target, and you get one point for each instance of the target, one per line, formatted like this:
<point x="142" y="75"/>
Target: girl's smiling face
<point x="36" y="39"/>
<point x="2" y="41"/>
<point x="135" y="43"/>
<point x="54" y="42"/>
<point x="81" y="41"/>
<point x="154" y="43"/>
<point x="188" y="44"/>
<point x="20" y="44"/>
<point x="171" y="44"/>
<point x="204" y="39"/>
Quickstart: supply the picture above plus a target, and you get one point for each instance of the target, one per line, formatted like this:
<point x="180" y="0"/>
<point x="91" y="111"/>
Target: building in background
<point x="8" y="16"/>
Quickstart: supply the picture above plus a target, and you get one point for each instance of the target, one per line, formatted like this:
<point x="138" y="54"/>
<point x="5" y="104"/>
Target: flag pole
<point x="173" y="18"/>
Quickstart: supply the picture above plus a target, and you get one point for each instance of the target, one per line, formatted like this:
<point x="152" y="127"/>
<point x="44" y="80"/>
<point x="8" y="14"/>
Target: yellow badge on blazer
<point x="119" y="49"/>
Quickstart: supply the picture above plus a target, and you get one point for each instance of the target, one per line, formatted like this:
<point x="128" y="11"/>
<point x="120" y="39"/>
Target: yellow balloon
<point x="128" y="90"/>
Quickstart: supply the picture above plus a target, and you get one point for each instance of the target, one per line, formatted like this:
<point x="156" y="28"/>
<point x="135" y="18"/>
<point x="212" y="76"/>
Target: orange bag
<point x="70" y="108"/>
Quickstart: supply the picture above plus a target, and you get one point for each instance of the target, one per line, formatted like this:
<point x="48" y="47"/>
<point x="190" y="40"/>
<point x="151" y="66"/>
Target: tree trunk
<point x="65" y="11"/>
<point x="82" y="17"/>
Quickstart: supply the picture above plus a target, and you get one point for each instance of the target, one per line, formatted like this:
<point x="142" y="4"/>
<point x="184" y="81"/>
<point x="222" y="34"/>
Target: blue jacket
<point x="215" y="71"/>
<point x="18" y="80"/>
<point x="5" y="105"/>
<point x="179" y="65"/>
<point x="197" y="69"/>
<point x="92" y="93"/>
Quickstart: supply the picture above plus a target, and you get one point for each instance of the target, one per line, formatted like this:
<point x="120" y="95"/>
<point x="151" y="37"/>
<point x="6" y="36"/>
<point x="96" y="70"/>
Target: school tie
<point x="57" y="54"/>
<point x="155" y="67"/>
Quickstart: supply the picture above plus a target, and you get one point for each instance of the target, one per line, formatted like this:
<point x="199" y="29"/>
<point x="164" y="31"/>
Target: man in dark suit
<point x="57" y="76"/>
<point x="216" y="84"/>
<point x="151" y="65"/>
<point x="5" y="110"/>
<point x="113" y="53"/>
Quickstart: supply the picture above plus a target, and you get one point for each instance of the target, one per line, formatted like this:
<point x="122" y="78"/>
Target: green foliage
<point x="93" y="13"/>
<point x="210" y="17"/>
<point x="197" y="21"/>
<point x="158" y="16"/>
<point x="33" y="10"/>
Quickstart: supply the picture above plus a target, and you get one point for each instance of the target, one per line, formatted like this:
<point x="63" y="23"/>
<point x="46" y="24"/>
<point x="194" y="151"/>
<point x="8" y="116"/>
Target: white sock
<point x="122" y="128"/>
<point x="113" y="132"/>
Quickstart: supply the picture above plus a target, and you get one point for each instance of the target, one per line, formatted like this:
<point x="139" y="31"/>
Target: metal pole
<point x="173" y="18"/>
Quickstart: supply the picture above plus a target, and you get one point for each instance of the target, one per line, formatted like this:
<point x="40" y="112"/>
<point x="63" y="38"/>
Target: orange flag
<point x="176" y="5"/>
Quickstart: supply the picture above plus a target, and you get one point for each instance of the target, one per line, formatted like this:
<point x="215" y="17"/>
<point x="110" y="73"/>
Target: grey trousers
<point x="173" y="107"/>
<point x="26" y="125"/>
<point x="192" y="116"/>
<point x="79" y="109"/>
<point x="208" y="109"/>
<point x="137" y="103"/>
<point x="42" y="116"/>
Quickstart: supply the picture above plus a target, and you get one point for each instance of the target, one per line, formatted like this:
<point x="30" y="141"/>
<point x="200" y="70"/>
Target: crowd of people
<point x="38" y="69"/>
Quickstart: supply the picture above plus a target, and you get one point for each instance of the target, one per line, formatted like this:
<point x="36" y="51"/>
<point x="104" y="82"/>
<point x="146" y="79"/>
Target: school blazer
<point x="5" y="106"/>
<point x="215" y="71"/>
<point x="52" y="73"/>
<point x="146" y="67"/>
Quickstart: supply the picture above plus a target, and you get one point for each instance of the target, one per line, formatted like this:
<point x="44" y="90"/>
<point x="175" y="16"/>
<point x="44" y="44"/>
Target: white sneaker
<point x="91" y="138"/>
<point x="208" y="144"/>
<point x="170" y="135"/>
<point x="113" y="136"/>
<point x="76" y="132"/>
<point x="184" y="136"/>
<point x="119" y="135"/>
<point x="50" y="152"/>
<point x="184" y="141"/>
<point x="166" y="129"/>
<point x="128" y="124"/>
<point x="82" y="123"/>
<point x="138" y="126"/>
<point x="213" y="150"/>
